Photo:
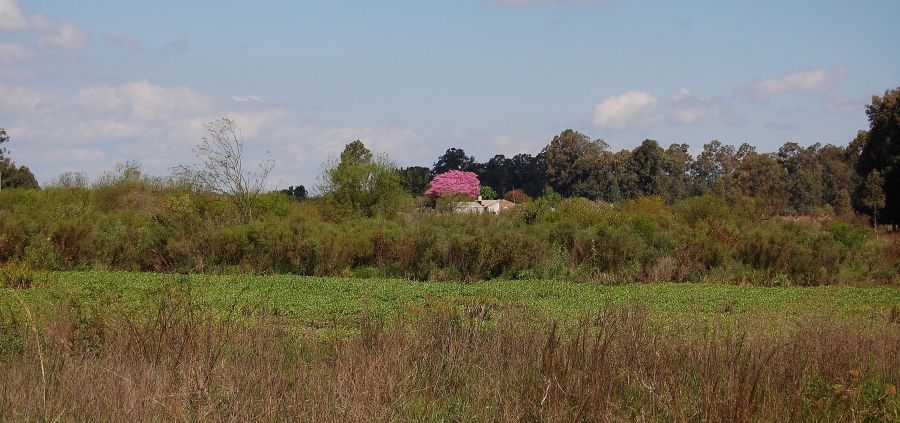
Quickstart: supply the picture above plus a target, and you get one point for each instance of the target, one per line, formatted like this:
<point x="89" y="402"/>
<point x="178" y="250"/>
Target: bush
<point x="148" y="228"/>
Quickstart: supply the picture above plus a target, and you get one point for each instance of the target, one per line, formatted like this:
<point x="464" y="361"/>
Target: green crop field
<point x="328" y="302"/>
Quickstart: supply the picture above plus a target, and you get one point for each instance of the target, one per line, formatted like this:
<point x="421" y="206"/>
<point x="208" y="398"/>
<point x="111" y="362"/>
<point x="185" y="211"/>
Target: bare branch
<point x="220" y="168"/>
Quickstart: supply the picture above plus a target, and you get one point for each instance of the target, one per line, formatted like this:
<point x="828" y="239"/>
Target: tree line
<point x="863" y="175"/>
<point x="818" y="179"/>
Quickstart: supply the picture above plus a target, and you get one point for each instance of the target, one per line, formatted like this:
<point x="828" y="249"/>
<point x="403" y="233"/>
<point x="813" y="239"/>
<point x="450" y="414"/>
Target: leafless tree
<point x="221" y="167"/>
<point x="70" y="180"/>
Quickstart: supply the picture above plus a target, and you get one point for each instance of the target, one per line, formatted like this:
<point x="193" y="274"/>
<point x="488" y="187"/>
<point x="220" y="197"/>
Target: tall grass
<point x="179" y="360"/>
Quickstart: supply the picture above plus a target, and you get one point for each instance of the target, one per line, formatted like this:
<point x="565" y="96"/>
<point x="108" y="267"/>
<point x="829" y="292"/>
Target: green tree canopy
<point x="361" y="184"/>
<point x="16" y="177"/>
<point x="414" y="179"/>
<point x="560" y="159"/>
<point x="873" y="195"/>
<point x="881" y="151"/>
<point x="454" y="159"/>
<point x="761" y="177"/>
<point x="10" y="175"/>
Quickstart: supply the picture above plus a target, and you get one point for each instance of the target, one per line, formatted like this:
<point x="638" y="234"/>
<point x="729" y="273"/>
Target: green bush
<point x="140" y="226"/>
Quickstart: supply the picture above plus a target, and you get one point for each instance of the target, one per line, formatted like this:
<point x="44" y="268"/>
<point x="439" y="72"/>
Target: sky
<point x="86" y="84"/>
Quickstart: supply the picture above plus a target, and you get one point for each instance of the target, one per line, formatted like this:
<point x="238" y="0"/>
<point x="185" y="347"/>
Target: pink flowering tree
<point x="454" y="182"/>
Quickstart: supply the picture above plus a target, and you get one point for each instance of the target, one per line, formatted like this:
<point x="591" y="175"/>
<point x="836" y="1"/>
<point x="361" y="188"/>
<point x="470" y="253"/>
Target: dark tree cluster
<point x="12" y="176"/>
<point x="795" y="179"/>
<point x="503" y="174"/>
<point x="297" y="192"/>
<point x="878" y="162"/>
<point x="865" y="175"/>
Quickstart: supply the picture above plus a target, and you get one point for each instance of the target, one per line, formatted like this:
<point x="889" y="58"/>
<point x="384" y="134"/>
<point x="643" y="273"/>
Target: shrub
<point x="173" y="230"/>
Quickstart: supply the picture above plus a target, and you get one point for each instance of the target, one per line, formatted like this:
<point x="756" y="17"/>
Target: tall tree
<point x="676" y="167"/>
<point x="648" y="166"/>
<point x="454" y="159"/>
<point x="561" y="155"/>
<point x="881" y="151"/>
<point x="414" y="179"/>
<point x="805" y="173"/>
<point x="761" y="177"/>
<point x="711" y="171"/>
<point x="360" y="184"/>
<point x="527" y="174"/>
<point x="598" y="176"/>
<point x="497" y="174"/>
<point x="873" y="196"/>
<point x="838" y="177"/>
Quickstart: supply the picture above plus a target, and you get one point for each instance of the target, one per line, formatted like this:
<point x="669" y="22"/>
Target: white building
<point x="482" y="206"/>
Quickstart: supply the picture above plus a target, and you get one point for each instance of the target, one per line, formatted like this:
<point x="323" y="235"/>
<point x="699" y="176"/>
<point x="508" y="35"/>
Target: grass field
<point x="111" y="346"/>
<point x="322" y="302"/>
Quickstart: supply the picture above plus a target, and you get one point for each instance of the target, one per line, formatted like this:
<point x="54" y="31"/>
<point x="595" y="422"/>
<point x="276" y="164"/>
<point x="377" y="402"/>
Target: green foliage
<point x="488" y="193"/>
<point x="16" y="177"/>
<point x="567" y="157"/>
<point x="454" y="159"/>
<point x="415" y="179"/>
<point x="880" y="151"/>
<point x="704" y="208"/>
<point x="873" y="196"/>
<point x="361" y="185"/>
<point x="136" y="226"/>
<point x="298" y="193"/>
<point x="10" y="175"/>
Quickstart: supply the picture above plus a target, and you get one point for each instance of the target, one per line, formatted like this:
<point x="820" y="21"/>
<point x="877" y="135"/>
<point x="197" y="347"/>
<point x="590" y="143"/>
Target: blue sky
<point x="86" y="84"/>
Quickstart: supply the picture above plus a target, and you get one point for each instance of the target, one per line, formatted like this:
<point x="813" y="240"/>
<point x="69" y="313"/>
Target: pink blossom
<point x="454" y="182"/>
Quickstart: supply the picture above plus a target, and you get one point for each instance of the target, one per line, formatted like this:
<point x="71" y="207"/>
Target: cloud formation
<point x="49" y="32"/>
<point x="625" y="109"/>
<point x="93" y="128"/>
<point x="133" y="44"/>
<point x="13" y="52"/>
<point x="636" y="109"/>
<point x="812" y="81"/>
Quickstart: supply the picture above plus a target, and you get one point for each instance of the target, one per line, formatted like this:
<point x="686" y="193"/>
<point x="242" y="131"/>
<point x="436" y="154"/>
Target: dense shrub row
<point x="138" y="226"/>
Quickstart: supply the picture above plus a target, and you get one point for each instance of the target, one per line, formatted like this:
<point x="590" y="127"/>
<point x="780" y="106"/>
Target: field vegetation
<point x="124" y="346"/>
<point x="642" y="285"/>
<point x="137" y="225"/>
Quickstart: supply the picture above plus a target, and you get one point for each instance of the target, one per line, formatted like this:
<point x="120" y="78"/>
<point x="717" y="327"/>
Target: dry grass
<point x="440" y="363"/>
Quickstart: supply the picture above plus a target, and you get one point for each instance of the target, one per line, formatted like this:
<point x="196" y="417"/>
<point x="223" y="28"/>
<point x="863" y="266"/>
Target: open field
<point x="322" y="302"/>
<point x="120" y="346"/>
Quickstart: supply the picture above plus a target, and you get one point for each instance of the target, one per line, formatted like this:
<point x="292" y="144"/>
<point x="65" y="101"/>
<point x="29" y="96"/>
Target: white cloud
<point x="619" y="111"/>
<point x="636" y="109"/>
<point x="689" y="109"/>
<point x="93" y="128"/>
<point x="133" y="44"/>
<point x="11" y="17"/>
<point x="817" y="80"/>
<point x="12" y="52"/>
<point x="49" y="32"/>
<point x="125" y="41"/>
<point x="65" y="35"/>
